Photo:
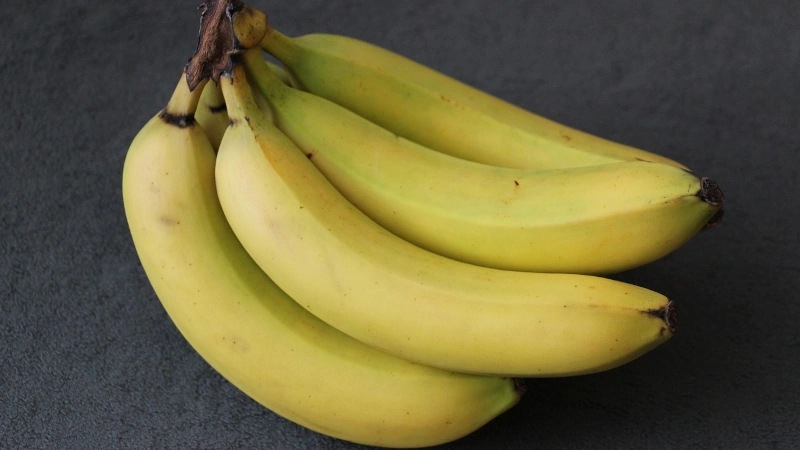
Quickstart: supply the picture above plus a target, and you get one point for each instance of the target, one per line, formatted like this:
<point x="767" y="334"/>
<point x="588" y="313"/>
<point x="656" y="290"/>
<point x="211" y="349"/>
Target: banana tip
<point x="710" y="192"/>
<point x="713" y="196"/>
<point x="669" y="315"/>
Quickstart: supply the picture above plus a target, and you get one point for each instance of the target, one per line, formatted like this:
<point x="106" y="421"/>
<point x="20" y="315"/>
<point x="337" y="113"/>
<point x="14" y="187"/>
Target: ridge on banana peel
<point x="435" y="110"/>
<point x="384" y="291"/>
<point x="593" y="220"/>
<point x="255" y="335"/>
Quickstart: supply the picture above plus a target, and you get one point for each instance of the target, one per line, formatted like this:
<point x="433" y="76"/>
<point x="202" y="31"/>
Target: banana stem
<point x="278" y="45"/>
<point x="226" y="27"/>
<point x="238" y="95"/>
<point x="183" y="104"/>
<point x="267" y="82"/>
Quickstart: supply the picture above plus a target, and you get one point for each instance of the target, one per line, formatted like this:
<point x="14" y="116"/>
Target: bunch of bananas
<point x="381" y="253"/>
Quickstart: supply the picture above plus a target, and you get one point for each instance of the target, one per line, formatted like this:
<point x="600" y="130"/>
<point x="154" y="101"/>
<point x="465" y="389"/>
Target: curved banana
<point x="211" y="113"/>
<point x="255" y="335"/>
<point x="435" y="110"/>
<point x="592" y="220"/>
<point x="362" y="279"/>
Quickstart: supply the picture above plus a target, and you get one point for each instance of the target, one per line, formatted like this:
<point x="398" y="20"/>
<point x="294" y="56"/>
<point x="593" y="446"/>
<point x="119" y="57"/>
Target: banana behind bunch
<point x="211" y="113"/>
<point x="255" y="335"/>
<point x="593" y="219"/>
<point x="428" y="107"/>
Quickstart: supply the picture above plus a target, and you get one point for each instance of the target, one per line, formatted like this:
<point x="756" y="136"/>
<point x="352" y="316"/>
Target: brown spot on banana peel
<point x="168" y="221"/>
<point x="178" y="120"/>
<point x="668" y="314"/>
<point x="234" y="122"/>
<point x="218" y="109"/>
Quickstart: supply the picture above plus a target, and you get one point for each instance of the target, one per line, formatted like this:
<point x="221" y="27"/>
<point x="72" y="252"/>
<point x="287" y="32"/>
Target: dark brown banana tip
<point x="671" y="316"/>
<point x="178" y="120"/>
<point x="710" y="192"/>
<point x="668" y="314"/>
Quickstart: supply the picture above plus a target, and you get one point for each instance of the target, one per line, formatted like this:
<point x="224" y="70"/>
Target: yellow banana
<point x="255" y="335"/>
<point x="593" y="220"/>
<point x="369" y="283"/>
<point x="435" y="110"/>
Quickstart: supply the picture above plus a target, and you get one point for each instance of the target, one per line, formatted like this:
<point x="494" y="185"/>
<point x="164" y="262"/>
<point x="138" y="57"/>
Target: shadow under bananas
<point x="723" y="358"/>
<point x="597" y="409"/>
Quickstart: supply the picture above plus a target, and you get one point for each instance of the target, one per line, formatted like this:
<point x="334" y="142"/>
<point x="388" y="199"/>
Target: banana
<point x="211" y="114"/>
<point x="592" y="220"/>
<point x="435" y="110"/>
<point x="384" y="291"/>
<point x="255" y="335"/>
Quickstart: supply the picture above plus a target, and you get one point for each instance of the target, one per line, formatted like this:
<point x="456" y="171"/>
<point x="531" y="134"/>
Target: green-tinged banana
<point x="435" y="110"/>
<point x="211" y="113"/>
<point x="362" y="279"/>
<point x="255" y="335"/>
<point x="593" y="220"/>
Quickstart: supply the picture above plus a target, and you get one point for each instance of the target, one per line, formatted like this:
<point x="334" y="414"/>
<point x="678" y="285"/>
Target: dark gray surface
<point x="91" y="361"/>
